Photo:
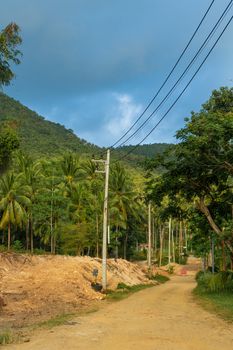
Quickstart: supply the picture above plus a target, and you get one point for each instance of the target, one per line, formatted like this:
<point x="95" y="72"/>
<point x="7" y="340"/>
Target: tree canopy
<point x="9" y="52"/>
<point x="199" y="167"/>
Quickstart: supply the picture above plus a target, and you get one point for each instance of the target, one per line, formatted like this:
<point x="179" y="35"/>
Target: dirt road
<point x="159" y="318"/>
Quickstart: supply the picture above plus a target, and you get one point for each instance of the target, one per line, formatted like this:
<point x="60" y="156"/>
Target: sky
<point x="94" y="65"/>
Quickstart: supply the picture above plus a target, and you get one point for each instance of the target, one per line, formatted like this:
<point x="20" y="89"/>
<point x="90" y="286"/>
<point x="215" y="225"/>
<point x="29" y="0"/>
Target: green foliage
<point x="199" y="172"/>
<point x="215" y="283"/>
<point x="39" y="137"/>
<point x="122" y="285"/>
<point x="6" y="337"/>
<point x="3" y="248"/>
<point x="8" y="143"/>
<point x="160" y="278"/>
<point x="66" y="194"/>
<point x="215" y="293"/>
<point x="138" y="155"/>
<point x="17" y="246"/>
<point x="139" y="255"/>
<point x="170" y="269"/>
<point x="9" y="53"/>
<point x="55" y="321"/>
<point x="123" y="291"/>
<point x="218" y="303"/>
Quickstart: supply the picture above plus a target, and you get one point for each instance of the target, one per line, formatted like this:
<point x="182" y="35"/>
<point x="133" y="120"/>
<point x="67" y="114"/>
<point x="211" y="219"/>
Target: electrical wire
<point x="166" y="79"/>
<point x="182" y="92"/>
<point x="210" y="35"/>
<point x="168" y="76"/>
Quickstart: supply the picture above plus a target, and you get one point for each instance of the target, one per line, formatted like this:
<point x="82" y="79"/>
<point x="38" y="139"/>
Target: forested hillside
<point x="148" y="151"/>
<point x="41" y="137"/>
<point x="38" y="136"/>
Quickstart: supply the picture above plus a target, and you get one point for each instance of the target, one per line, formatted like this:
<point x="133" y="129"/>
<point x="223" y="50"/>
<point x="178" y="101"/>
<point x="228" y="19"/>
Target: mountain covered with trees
<point x="42" y="138"/>
<point x="145" y="151"/>
<point x="38" y="136"/>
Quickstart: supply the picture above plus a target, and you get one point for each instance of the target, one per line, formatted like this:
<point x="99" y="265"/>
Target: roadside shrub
<point x="122" y="285"/>
<point x="39" y="251"/>
<point x="160" y="278"/>
<point x="139" y="256"/>
<point x="3" y="248"/>
<point x="215" y="283"/>
<point x="170" y="269"/>
<point x="17" y="245"/>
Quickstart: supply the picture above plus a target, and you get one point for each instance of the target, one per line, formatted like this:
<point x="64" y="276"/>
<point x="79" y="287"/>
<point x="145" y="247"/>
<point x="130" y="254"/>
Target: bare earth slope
<point x="161" y="318"/>
<point x="36" y="288"/>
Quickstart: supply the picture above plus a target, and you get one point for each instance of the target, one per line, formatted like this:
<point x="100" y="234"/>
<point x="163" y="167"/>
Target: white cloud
<point x="123" y="115"/>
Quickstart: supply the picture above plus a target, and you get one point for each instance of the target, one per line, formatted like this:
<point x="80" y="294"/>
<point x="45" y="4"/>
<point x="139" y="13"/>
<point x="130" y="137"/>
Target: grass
<point x="55" y="321"/>
<point x="6" y="337"/>
<point x="123" y="291"/>
<point x="62" y="319"/>
<point x="160" y="278"/>
<point x="219" y="303"/>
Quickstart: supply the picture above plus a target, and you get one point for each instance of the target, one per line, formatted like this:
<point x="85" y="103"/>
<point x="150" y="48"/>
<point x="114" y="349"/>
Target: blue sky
<point x="93" y="65"/>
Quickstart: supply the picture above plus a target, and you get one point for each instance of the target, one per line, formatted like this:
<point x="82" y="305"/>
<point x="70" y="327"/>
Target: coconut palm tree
<point x="121" y="202"/>
<point x="12" y="204"/>
<point x="95" y="184"/>
<point x="70" y="167"/>
<point x="30" y="177"/>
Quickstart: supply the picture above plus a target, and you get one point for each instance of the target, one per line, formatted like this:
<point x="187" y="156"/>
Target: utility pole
<point x="169" y="240"/>
<point x="51" y="217"/>
<point x="212" y="253"/>
<point x="105" y="217"/>
<point x="149" y="237"/>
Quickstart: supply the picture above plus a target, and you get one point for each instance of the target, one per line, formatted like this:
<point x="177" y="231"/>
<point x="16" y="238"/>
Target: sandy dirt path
<point x="160" y="318"/>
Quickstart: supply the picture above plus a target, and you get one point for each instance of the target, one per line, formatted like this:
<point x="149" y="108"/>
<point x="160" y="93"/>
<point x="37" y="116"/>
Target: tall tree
<point x="9" y="142"/>
<point x="9" y="52"/>
<point x="30" y="178"/>
<point x="12" y="204"/>
<point x="121" y="203"/>
<point x="200" y="166"/>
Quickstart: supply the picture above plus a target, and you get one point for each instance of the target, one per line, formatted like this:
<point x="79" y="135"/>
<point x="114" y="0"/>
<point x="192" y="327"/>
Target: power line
<point x="166" y="79"/>
<point x="184" y="72"/>
<point x="182" y="92"/>
<point x="168" y="76"/>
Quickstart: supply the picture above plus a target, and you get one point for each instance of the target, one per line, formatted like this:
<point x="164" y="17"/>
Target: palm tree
<point x="12" y="204"/>
<point x="30" y="176"/>
<point x="70" y="168"/>
<point x="77" y="206"/>
<point x="121" y="202"/>
<point x="95" y="184"/>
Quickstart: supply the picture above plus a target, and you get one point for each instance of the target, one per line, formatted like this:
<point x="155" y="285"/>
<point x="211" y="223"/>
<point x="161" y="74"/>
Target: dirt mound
<point x="34" y="288"/>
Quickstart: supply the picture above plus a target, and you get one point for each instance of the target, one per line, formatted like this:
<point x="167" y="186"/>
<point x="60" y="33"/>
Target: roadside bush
<point x="38" y="251"/>
<point x="160" y="278"/>
<point x="170" y="269"/>
<point x="3" y="248"/>
<point x="17" y="246"/>
<point x="122" y="285"/>
<point x="139" y="256"/>
<point x="215" y="283"/>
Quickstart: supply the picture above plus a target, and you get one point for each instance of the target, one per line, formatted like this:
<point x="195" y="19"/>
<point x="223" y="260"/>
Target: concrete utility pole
<point x="105" y="217"/>
<point x="169" y="240"/>
<point x="149" y="237"/>
<point x="212" y="253"/>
